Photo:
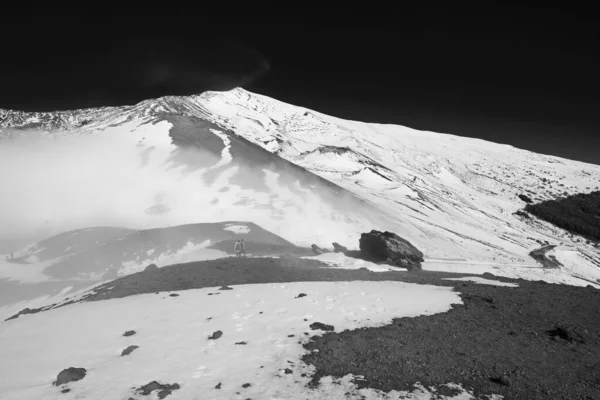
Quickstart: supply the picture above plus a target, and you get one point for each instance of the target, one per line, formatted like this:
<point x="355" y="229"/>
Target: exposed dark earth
<point x="536" y="341"/>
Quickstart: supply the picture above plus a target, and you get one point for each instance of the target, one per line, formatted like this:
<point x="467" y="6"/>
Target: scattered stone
<point x="151" y="268"/>
<point x="318" y="325"/>
<point x="129" y="333"/>
<point x="246" y="385"/>
<point x="501" y="380"/>
<point x="129" y="350"/>
<point x="301" y="295"/>
<point x="215" y="335"/>
<point x="525" y="198"/>
<point x="173" y="295"/>
<point x="164" y="389"/>
<point x="70" y="374"/>
<point x="567" y="333"/>
<point x="241" y="343"/>
<point x="225" y="288"/>
<point x="218" y="386"/>
<point x="378" y="246"/>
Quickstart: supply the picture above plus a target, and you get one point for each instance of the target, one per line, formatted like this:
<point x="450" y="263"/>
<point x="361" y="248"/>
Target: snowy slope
<point x="263" y="328"/>
<point x="453" y="197"/>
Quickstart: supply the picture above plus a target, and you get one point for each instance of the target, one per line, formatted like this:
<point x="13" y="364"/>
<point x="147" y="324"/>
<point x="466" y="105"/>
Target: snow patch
<point x="188" y="253"/>
<point x="340" y="261"/>
<point x="483" y="281"/>
<point x="238" y="229"/>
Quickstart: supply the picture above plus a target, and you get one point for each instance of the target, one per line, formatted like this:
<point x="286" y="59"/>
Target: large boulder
<point x="378" y="247"/>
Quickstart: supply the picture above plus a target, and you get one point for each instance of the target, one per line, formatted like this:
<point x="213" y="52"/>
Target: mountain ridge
<point x="455" y="197"/>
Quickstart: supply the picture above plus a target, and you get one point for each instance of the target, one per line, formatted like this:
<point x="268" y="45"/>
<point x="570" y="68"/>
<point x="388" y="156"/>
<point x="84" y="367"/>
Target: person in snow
<point x="237" y="248"/>
<point x="242" y="248"/>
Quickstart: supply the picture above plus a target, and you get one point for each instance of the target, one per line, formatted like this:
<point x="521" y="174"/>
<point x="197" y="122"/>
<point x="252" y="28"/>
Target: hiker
<point x="243" y="248"/>
<point x="237" y="248"/>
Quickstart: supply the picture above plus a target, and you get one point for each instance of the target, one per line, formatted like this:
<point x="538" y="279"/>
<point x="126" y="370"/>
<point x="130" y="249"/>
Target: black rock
<point x="567" y="333"/>
<point x="501" y="380"/>
<point x="525" y="198"/>
<point x="70" y="374"/>
<point x="173" y="295"/>
<point x="225" y="288"/>
<point x="128" y="350"/>
<point x="218" y="386"/>
<point x="216" y="335"/>
<point x="66" y="390"/>
<point x="164" y="389"/>
<point x="246" y="385"/>
<point x="321" y="326"/>
<point x="129" y="333"/>
<point x="378" y="246"/>
<point x="301" y="295"/>
<point x="287" y="371"/>
<point x="241" y="343"/>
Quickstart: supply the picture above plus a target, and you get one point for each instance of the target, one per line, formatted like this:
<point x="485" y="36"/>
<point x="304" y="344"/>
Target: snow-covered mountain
<point x="179" y="179"/>
<point x="314" y="178"/>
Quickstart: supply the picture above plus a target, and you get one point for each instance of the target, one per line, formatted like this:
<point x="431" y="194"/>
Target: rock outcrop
<point x="378" y="247"/>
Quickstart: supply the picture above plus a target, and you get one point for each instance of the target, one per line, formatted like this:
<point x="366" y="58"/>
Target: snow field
<point x="172" y="335"/>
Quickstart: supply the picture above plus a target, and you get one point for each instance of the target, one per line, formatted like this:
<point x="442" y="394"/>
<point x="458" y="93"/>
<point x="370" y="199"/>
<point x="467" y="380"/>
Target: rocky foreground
<point x="534" y="341"/>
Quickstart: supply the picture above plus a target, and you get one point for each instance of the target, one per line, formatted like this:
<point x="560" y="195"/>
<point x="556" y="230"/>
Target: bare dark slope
<point x="537" y="341"/>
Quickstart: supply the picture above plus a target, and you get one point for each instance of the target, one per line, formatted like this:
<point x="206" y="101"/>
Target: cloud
<point x="134" y="178"/>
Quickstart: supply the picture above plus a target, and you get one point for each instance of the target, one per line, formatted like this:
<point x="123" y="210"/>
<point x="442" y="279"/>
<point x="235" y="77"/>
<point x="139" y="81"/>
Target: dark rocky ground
<point x="537" y="341"/>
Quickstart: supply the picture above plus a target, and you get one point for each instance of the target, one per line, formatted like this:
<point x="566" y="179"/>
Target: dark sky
<point x="517" y="75"/>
